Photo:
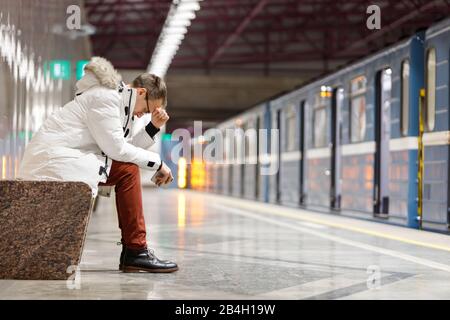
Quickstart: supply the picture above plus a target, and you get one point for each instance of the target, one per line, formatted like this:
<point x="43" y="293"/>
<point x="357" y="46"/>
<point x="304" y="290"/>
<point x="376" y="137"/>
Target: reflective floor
<point x="237" y="249"/>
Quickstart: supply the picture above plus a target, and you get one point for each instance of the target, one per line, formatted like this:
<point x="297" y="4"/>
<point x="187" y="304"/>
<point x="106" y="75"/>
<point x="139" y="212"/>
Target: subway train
<point x="370" y="140"/>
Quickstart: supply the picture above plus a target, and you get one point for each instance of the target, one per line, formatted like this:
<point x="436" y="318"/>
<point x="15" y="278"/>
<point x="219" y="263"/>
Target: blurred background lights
<point x="175" y="27"/>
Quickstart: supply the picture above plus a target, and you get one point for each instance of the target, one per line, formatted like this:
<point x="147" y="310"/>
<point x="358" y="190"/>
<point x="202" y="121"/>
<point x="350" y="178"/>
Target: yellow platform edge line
<point x="284" y="213"/>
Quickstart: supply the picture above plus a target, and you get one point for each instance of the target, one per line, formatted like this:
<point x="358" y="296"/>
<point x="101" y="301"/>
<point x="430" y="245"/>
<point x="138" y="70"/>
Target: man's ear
<point x="141" y="91"/>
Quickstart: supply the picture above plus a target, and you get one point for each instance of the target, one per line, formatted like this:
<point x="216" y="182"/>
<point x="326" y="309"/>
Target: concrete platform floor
<point x="228" y="248"/>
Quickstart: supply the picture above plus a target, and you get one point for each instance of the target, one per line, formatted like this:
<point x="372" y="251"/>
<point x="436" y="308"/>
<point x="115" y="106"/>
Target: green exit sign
<point x="80" y="68"/>
<point x="23" y="134"/>
<point x="59" y="69"/>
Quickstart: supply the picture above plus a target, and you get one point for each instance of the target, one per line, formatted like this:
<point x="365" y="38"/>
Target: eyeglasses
<point x="146" y="100"/>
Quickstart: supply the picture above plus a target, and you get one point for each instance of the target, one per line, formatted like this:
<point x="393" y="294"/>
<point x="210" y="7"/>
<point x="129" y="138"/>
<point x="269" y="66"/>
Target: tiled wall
<point x="32" y="34"/>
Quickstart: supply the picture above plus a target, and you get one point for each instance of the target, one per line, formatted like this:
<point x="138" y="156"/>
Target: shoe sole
<point x="138" y="269"/>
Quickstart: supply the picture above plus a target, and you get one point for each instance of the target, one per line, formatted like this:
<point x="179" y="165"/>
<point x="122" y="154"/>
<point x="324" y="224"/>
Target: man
<point x="91" y="139"/>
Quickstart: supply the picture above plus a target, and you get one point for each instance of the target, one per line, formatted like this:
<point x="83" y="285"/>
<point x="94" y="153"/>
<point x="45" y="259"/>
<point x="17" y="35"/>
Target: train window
<point x="291" y="129"/>
<point x="431" y="89"/>
<point x="358" y="108"/>
<point x="320" y="118"/>
<point x="405" y="97"/>
<point x="228" y="157"/>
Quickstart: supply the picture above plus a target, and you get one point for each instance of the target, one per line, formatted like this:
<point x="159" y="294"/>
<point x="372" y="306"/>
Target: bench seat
<point x="42" y="228"/>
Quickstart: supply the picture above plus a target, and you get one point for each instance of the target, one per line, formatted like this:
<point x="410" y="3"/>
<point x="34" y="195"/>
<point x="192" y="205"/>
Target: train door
<point x="302" y="122"/>
<point x="382" y="136"/>
<point x="257" y="127"/>
<point x="242" y="160"/>
<point x="268" y="125"/>
<point x="448" y="164"/>
<point x="230" y="165"/>
<point x="335" y="187"/>
<point x="278" y="175"/>
<point x="420" y="156"/>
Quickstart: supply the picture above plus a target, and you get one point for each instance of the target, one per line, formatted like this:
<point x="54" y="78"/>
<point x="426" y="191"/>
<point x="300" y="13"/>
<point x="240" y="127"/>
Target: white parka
<point x="79" y="141"/>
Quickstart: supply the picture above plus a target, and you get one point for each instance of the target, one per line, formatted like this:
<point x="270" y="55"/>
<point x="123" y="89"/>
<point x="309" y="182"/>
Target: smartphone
<point x="156" y="176"/>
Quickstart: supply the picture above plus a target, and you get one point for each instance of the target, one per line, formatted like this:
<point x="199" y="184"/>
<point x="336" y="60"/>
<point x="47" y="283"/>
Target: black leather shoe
<point x="121" y="260"/>
<point x="121" y="254"/>
<point x="144" y="260"/>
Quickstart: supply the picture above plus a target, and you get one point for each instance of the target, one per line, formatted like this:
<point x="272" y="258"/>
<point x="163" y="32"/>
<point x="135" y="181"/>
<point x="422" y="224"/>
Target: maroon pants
<point x="127" y="181"/>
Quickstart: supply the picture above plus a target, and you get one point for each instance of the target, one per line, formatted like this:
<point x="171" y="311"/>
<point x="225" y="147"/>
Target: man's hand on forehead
<point x="159" y="117"/>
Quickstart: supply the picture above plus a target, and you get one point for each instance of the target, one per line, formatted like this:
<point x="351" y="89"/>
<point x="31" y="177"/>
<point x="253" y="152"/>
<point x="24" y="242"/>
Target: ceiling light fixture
<point x="179" y="18"/>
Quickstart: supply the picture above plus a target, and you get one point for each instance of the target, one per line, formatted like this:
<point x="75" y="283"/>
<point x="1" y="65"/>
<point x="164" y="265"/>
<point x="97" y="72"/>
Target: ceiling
<point x="126" y="30"/>
<point x="239" y="52"/>
<point x="257" y="36"/>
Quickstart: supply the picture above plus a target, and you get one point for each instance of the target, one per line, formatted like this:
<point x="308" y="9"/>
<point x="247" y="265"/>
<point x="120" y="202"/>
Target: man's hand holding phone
<point x="163" y="176"/>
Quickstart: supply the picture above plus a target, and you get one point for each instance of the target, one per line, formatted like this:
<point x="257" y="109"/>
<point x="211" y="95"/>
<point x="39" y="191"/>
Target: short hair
<point x="156" y="87"/>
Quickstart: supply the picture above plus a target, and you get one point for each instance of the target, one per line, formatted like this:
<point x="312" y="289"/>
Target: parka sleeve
<point x="145" y="137"/>
<point x="103" y="122"/>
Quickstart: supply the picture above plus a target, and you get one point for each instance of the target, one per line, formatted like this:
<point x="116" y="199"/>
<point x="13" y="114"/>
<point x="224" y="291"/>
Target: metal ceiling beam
<point x="207" y="5"/>
<point x="240" y="28"/>
<point x="298" y="56"/>
<point x="253" y="32"/>
<point x="391" y="27"/>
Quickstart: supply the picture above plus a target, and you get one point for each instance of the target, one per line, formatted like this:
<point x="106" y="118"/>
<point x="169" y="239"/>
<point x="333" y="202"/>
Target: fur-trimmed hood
<point x="98" y="71"/>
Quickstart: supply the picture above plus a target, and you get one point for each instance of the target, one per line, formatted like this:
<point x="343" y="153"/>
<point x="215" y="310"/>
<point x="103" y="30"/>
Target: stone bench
<point x="42" y="228"/>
